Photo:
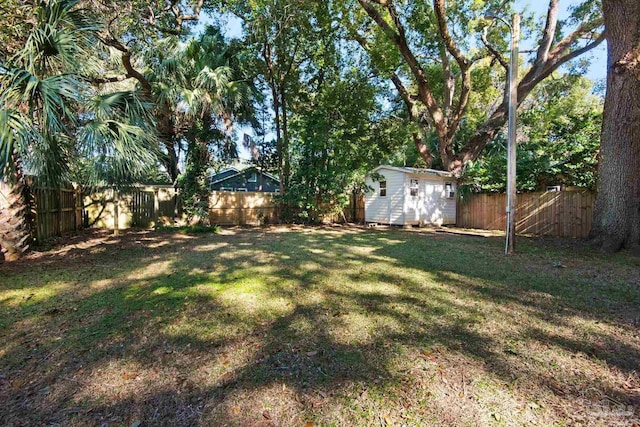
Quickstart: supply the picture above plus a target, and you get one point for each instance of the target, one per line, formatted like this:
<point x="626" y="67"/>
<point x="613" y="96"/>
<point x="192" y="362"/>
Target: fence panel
<point x="145" y="206"/>
<point x="57" y="211"/>
<point x="137" y="206"/>
<point x="559" y="214"/>
<point x="242" y="208"/>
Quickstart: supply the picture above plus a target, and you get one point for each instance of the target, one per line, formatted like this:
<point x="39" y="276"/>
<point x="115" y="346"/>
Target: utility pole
<point x="510" y="243"/>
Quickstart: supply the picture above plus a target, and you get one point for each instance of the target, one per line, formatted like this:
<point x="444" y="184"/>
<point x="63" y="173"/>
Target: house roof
<point x="237" y="172"/>
<point x="416" y="171"/>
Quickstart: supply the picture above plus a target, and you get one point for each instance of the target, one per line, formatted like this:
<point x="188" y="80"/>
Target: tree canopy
<point x="121" y="91"/>
<point x="441" y="55"/>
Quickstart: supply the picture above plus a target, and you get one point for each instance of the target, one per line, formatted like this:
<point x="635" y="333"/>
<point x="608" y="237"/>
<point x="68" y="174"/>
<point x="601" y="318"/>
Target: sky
<point x="596" y="71"/>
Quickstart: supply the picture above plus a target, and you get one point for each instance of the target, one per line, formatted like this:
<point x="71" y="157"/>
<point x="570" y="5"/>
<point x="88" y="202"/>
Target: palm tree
<point x="50" y="116"/>
<point x="200" y="90"/>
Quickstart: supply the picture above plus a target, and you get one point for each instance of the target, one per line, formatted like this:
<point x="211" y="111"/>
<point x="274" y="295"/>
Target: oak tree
<point x="440" y="45"/>
<point x="616" y="221"/>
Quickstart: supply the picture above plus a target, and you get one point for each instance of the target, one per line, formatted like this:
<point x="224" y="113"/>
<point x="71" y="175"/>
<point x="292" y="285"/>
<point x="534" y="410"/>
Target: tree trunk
<point x="279" y="150"/>
<point x="616" y="218"/>
<point x="166" y="134"/>
<point x="15" y="216"/>
<point x="423" y="149"/>
<point x="286" y="167"/>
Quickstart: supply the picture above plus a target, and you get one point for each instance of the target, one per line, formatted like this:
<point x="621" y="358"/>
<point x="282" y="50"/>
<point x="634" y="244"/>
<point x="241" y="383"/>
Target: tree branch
<point x="128" y="66"/>
<point x="548" y="34"/>
<point x="557" y="57"/>
<point x="497" y="120"/>
<point x="409" y="101"/>
<point x="105" y="80"/>
<point x="465" y="66"/>
<point x="497" y="55"/>
<point x="440" y="11"/>
<point x="398" y="38"/>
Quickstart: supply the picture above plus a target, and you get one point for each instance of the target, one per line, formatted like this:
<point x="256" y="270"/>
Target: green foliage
<point x="17" y="22"/>
<point x="558" y="141"/>
<point x="337" y="138"/>
<point x="201" y="89"/>
<point x="195" y="185"/>
<point x="54" y="120"/>
<point x="447" y="62"/>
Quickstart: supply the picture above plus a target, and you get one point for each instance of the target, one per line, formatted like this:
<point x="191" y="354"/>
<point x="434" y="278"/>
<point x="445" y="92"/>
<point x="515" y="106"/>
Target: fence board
<point x="559" y="214"/>
<point x="57" y="212"/>
<point x="242" y="208"/>
<point x="137" y="206"/>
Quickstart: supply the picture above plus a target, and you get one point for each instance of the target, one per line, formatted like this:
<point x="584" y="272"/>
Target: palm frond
<point x="118" y="152"/>
<point x="215" y="80"/>
<point x="118" y="138"/>
<point x="61" y="41"/>
<point x="16" y="133"/>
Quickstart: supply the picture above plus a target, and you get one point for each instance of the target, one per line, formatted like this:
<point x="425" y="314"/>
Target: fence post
<point x="156" y="206"/>
<point x="116" y="212"/>
<point x="60" y="212"/>
<point x="76" y="197"/>
<point x="354" y="207"/>
<point x="36" y="214"/>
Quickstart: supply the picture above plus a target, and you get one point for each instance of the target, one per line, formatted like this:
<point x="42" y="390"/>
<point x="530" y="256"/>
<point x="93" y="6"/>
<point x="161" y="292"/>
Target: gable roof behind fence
<point x="236" y="172"/>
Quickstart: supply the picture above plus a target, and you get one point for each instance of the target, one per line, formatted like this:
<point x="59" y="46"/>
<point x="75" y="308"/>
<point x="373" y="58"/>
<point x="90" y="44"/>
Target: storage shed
<point x="410" y="196"/>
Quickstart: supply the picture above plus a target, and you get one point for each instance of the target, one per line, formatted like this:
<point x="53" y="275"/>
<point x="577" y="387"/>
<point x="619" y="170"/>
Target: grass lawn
<point x="319" y="326"/>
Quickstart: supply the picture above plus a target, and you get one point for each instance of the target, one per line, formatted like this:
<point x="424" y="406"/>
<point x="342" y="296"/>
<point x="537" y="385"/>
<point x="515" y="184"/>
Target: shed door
<point x="433" y="203"/>
<point x="414" y="200"/>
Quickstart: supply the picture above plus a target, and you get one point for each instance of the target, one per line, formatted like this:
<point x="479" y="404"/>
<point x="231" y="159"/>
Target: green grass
<point x="333" y="326"/>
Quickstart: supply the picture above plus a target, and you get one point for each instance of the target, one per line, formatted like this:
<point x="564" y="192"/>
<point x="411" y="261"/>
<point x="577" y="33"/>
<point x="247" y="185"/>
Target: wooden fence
<point x="247" y="208"/>
<point x="242" y="208"/>
<point x="558" y="214"/>
<point x="141" y="206"/>
<point x="353" y="212"/>
<point x="58" y="211"/>
<point x="55" y="211"/>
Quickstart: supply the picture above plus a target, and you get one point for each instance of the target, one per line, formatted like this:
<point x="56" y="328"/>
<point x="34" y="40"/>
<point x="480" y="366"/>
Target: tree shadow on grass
<point x="212" y="330"/>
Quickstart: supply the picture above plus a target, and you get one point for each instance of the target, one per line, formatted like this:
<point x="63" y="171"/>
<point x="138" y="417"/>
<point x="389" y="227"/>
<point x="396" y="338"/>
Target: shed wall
<point x="431" y="205"/>
<point x="389" y="209"/>
<point x="399" y="207"/>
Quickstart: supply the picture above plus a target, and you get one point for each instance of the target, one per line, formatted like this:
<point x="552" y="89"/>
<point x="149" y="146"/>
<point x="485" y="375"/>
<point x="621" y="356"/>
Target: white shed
<point x="410" y="196"/>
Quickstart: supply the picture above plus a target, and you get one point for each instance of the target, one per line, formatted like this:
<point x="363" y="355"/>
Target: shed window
<point x="253" y="177"/>
<point x="448" y="190"/>
<point x="414" y="188"/>
<point x="383" y="188"/>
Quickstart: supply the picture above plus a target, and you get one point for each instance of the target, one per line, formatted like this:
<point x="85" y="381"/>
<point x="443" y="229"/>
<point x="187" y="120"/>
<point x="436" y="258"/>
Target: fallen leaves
<point x="556" y="388"/>
<point x="630" y="387"/>
<point x="428" y="354"/>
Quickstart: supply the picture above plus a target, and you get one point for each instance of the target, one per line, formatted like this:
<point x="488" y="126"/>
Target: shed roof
<point x="416" y="171"/>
